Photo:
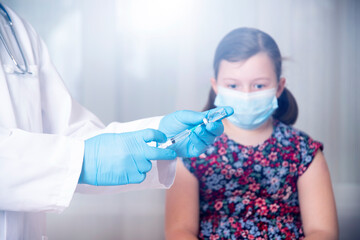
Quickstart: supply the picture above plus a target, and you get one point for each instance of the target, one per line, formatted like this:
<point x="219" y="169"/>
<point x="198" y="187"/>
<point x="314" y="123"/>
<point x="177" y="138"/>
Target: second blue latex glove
<point x="123" y="158"/>
<point x="200" y="138"/>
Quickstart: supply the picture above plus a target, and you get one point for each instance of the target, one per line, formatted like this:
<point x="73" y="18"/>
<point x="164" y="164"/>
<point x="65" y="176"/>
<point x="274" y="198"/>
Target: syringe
<point x="211" y="117"/>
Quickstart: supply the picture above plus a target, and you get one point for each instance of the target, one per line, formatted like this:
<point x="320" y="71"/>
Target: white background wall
<point x="130" y="59"/>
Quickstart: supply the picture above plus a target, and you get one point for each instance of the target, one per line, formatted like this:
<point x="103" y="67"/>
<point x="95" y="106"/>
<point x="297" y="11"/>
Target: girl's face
<point x="254" y="74"/>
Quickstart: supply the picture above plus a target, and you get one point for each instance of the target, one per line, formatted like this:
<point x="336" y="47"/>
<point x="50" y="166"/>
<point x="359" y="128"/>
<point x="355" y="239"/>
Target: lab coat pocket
<point x="23" y="97"/>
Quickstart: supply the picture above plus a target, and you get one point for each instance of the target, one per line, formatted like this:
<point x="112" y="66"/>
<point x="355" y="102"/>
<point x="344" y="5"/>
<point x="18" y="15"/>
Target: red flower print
<point x="262" y="147"/>
<point x="274" y="180"/>
<point x="272" y="141"/>
<point x="290" y="218"/>
<point x="275" y="196"/>
<point x="209" y="171"/>
<point x="238" y="234"/>
<point x="228" y="176"/>
<point x="239" y="172"/>
<point x="242" y="180"/>
<point x="262" y="227"/>
<point x="231" y="207"/>
<point x="237" y="192"/>
<point x="223" y="171"/>
<point x="273" y="156"/>
<point x="244" y="151"/>
<point x="287" y="148"/>
<point x="259" y="202"/>
<point x="264" y="162"/>
<point x="294" y="157"/>
<point x="224" y="138"/>
<point x="286" y="156"/>
<point x="263" y="210"/>
<point x="214" y="237"/>
<point x="292" y="167"/>
<point x="274" y="207"/>
<point x="258" y="156"/>
<point x="302" y="169"/>
<point x="222" y="151"/>
<point x="218" y="205"/>
<point x="264" y="192"/>
<point x="254" y="187"/>
<point x="245" y="201"/>
<point x="249" y="162"/>
<point x="251" y="151"/>
<point x="251" y="179"/>
<point x="235" y="156"/>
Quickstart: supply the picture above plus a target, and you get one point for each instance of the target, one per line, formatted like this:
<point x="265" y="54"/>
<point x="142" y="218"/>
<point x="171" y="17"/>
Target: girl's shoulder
<point x="298" y="144"/>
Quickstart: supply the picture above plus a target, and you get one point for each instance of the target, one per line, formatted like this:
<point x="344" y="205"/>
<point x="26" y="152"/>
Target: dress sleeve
<point x="308" y="149"/>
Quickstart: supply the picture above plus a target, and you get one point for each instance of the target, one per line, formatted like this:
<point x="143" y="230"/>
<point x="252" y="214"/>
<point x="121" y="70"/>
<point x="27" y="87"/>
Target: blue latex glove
<point x="200" y="138"/>
<point x="117" y="159"/>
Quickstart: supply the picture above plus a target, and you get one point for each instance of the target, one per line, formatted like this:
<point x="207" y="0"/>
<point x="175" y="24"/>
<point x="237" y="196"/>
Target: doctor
<point x="51" y="146"/>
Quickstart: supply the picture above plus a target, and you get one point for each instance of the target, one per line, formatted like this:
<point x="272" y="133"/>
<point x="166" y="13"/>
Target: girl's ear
<point x="214" y="85"/>
<point x="281" y="86"/>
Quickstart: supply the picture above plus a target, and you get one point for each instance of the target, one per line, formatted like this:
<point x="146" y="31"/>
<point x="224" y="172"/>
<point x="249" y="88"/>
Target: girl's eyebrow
<point x="261" y="78"/>
<point x="257" y="78"/>
<point x="231" y="79"/>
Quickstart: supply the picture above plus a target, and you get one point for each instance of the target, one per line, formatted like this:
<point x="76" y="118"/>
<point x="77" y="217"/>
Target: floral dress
<point x="250" y="192"/>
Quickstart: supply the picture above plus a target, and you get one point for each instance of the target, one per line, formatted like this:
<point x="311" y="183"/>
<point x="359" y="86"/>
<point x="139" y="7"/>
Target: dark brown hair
<point x="243" y="43"/>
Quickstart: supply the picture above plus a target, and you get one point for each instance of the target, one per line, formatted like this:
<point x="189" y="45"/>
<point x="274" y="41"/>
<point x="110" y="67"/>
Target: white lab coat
<point x="41" y="142"/>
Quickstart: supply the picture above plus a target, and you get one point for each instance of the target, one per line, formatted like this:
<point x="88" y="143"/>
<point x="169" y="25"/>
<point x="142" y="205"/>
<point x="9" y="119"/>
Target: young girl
<point x="261" y="179"/>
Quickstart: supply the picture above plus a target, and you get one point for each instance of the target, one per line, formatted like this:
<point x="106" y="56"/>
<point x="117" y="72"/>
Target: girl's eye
<point x="259" y="86"/>
<point x="232" y="86"/>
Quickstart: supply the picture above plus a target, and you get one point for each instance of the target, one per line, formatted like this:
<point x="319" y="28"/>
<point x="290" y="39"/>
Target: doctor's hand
<point x="200" y="138"/>
<point x="124" y="158"/>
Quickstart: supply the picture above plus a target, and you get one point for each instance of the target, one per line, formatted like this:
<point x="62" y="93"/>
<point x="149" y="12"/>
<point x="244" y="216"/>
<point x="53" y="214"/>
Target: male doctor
<point x="50" y="145"/>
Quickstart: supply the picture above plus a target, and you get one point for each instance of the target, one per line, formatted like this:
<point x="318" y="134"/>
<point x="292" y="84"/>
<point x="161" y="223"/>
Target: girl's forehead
<point x="257" y="65"/>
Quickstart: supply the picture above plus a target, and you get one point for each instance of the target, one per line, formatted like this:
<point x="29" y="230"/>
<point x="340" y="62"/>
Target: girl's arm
<point x="317" y="203"/>
<point x="182" y="206"/>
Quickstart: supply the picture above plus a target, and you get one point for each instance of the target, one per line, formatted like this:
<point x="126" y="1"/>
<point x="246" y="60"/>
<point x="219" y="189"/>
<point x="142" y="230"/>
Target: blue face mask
<point x="251" y="110"/>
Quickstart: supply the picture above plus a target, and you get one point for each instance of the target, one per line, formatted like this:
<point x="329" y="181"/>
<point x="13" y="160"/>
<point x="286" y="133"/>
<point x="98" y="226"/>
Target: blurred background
<point x="131" y="59"/>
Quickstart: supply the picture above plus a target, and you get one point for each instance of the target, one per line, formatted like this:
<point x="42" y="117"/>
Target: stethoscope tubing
<point x="21" y="70"/>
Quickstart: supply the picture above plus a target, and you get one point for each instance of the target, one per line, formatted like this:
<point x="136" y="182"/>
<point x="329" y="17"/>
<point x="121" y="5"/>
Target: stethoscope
<point x="20" y="69"/>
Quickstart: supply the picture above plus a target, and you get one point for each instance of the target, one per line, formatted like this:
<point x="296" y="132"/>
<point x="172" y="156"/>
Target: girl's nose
<point x="246" y="89"/>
